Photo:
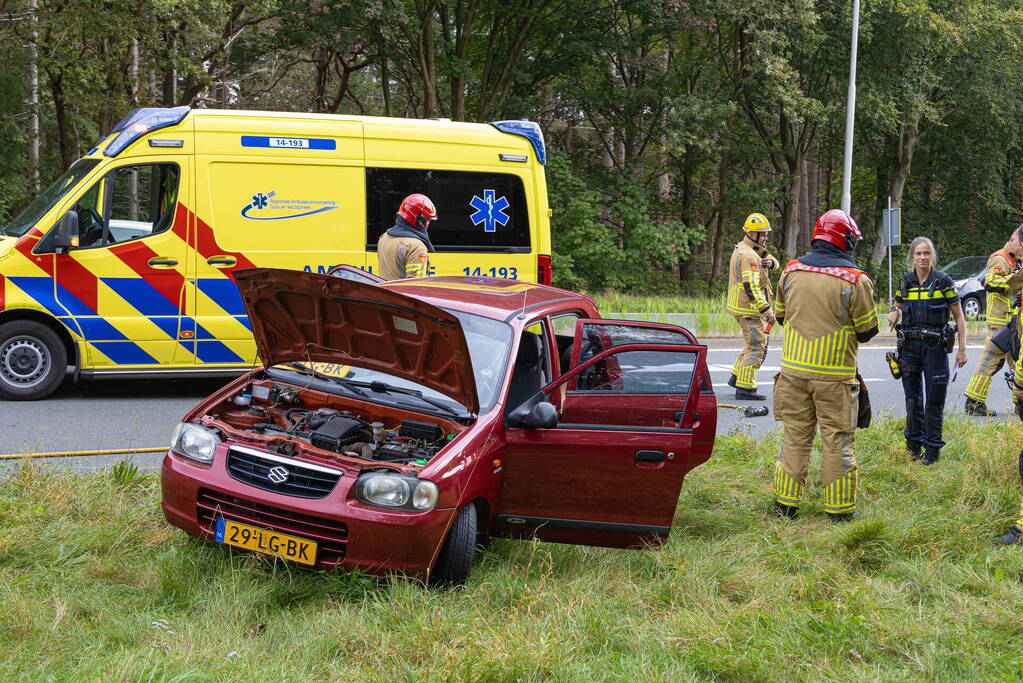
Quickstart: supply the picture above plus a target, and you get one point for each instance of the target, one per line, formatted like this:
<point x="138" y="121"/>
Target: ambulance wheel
<point x="455" y="560"/>
<point x="33" y="360"/>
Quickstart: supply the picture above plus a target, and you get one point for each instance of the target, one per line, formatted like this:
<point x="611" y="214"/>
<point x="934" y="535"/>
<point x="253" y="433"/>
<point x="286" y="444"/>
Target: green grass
<point x="96" y="586"/>
<point x="704" y="316"/>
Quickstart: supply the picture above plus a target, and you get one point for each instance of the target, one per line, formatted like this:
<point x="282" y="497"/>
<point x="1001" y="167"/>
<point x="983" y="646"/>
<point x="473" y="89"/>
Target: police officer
<point x="403" y="251"/>
<point x="924" y="298"/>
<point x="749" y="302"/>
<point x="826" y="304"/>
<point x="1002" y="280"/>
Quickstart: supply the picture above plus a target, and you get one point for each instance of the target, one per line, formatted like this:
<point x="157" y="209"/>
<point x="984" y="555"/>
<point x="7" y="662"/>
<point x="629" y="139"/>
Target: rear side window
<point x="477" y="212"/>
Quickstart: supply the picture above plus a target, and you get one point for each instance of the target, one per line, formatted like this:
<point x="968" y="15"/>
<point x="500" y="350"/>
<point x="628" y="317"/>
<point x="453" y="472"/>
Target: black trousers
<point x="925" y="383"/>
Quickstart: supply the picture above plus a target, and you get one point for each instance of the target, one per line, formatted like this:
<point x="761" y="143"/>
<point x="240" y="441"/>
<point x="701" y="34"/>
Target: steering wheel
<point x="90" y="227"/>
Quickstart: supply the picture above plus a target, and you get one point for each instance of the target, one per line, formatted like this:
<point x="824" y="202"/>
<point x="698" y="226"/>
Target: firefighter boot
<point x="913" y="448"/>
<point x="742" y="394"/>
<point x="843" y="516"/>
<point x="783" y="510"/>
<point x="1011" y="538"/>
<point x="931" y="455"/>
<point x="978" y="408"/>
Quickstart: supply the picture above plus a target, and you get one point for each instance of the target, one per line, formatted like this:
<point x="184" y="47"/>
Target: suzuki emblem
<point x="278" y="475"/>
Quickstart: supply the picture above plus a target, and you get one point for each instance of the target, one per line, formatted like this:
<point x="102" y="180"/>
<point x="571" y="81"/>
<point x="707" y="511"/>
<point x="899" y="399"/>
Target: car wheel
<point x="455" y="560"/>
<point x="972" y="308"/>
<point x="33" y="360"/>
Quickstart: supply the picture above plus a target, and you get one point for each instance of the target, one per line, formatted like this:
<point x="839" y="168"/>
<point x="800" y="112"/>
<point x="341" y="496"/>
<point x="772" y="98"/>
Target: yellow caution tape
<point x="74" y="454"/>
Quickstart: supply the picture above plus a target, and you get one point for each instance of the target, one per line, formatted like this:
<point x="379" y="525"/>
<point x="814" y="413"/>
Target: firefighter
<point x="403" y="251"/>
<point x="1013" y="536"/>
<point x="924" y="298"/>
<point x="1002" y="280"/>
<point x="749" y="302"/>
<point x="826" y="304"/>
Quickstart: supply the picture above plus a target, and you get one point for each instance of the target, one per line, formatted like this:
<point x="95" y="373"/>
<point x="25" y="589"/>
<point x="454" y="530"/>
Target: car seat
<point x="528" y="376"/>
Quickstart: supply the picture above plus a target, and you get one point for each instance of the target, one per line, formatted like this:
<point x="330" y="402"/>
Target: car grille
<point x="299" y="479"/>
<point x="330" y="535"/>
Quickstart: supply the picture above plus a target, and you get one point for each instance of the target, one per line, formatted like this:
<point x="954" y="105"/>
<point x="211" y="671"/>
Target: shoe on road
<point x="748" y="395"/>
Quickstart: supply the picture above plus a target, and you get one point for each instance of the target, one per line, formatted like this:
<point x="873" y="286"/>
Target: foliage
<point x="666" y="122"/>
<point x="97" y="586"/>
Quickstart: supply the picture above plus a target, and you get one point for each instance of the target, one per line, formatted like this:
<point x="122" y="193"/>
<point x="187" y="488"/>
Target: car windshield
<point x="489" y="342"/>
<point x="965" y="267"/>
<point x="31" y="214"/>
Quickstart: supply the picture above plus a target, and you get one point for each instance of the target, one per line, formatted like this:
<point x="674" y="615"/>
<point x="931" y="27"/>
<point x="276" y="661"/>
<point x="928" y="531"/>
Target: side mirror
<point x="67" y="233"/>
<point x="542" y="415"/>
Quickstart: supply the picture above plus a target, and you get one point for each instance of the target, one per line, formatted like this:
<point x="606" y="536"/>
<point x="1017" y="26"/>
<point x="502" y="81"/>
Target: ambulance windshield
<point x="31" y="214"/>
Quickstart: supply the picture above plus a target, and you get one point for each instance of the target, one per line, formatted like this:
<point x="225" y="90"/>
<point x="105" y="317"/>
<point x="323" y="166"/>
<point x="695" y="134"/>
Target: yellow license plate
<point x="265" y="541"/>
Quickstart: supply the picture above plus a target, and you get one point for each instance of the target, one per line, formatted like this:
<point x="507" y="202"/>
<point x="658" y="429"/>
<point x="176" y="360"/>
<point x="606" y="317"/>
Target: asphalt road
<point x="141" y="414"/>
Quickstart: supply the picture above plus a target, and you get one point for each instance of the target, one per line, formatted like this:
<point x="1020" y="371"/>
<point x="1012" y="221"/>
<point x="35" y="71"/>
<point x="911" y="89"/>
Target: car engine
<point x="340" y="431"/>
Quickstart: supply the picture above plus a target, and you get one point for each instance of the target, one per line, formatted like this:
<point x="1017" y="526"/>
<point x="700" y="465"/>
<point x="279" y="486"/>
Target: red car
<point x="394" y="427"/>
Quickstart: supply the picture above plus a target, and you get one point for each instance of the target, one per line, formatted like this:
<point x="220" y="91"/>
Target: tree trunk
<point x="33" y="102"/>
<point x="61" y="114"/>
<point x="902" y="162"/>
<point x="427" y="59"/>
<point x="170" y="77"/>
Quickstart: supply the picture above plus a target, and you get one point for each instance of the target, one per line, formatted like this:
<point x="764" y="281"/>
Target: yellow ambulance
<point x="123" y="267"/>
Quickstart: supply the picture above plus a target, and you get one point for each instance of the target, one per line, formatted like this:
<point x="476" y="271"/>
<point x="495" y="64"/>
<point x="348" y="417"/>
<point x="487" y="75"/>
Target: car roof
<point x="496" y="298"/>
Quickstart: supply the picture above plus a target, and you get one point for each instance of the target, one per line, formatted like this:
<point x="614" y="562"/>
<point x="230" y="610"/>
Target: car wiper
<point x="349" y="384"/>
<point x="385" y="388"/>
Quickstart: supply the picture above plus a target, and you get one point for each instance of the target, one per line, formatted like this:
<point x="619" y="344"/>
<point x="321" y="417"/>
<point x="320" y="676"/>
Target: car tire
<point x="973" y="308"/>
<point x="455" y="560"/>
<point x="33" y="360"/>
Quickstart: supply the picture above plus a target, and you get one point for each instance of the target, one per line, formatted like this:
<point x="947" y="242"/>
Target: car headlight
<point x="194" y="442"/>
<point x="394" y="490"/>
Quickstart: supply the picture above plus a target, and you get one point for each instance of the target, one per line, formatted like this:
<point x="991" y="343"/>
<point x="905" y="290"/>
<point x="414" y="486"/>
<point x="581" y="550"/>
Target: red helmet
<point x="838" y="228"/>
<point x="417" y="209"/>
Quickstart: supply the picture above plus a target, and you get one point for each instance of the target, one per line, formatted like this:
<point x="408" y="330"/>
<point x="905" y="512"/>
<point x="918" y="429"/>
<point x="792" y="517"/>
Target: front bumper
<point x="350" y="534"/>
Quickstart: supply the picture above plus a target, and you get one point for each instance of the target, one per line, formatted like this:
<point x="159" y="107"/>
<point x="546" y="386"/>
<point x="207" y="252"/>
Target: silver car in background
<point x="967" y="273"/>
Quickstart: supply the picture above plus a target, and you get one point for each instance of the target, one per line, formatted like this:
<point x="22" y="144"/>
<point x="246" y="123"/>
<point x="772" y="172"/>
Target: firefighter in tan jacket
<point x="749" y="302"/>
<point x="404" y="250"/>
<point x="1002" y="280"/>
<point x="826" y="304"/>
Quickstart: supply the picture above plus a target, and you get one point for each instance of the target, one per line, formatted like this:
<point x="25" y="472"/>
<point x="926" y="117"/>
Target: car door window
<point x="563" y="327"/>
<point x="129" y="203"/>
<point x="532" y="369"/>
<point x="641" y="372"/>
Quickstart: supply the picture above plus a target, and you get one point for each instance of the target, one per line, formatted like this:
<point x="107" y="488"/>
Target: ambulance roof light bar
<point x="527" y="129"/>
<point x="142" y="121"/>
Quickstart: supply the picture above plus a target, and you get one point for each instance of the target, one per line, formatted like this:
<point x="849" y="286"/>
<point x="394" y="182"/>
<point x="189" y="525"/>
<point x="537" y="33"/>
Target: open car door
<point x="610" y="471"/>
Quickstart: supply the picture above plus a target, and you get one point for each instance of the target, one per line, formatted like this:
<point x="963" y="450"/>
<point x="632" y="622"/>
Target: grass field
<point x="702" y="315"/>
<point x="96" y="586"/>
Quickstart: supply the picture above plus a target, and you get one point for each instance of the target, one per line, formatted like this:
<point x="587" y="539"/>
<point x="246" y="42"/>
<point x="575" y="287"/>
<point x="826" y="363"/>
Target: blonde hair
<point x="917" y="241"/>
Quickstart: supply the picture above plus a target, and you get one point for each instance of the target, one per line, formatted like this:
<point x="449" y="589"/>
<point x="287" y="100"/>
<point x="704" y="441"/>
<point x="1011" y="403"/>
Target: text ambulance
<point x="123" y="267"/>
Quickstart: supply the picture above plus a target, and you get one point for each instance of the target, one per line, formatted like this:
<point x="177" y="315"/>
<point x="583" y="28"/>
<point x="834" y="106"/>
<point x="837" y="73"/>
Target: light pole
<point x="850" y="113"/>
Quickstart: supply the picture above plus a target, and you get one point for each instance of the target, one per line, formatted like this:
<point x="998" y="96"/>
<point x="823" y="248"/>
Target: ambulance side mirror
<point x="67" y="233"/>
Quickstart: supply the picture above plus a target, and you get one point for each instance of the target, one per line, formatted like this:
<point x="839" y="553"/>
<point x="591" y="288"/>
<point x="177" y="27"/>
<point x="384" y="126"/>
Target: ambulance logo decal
<point x="267" y="206"/>
<point x="489" y="211"/>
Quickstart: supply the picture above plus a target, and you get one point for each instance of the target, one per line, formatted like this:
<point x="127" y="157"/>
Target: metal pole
<point x="850" y="113"/>
<point x="888" y="239"/>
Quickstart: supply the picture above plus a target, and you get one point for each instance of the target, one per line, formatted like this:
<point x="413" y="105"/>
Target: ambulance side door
<point x="124" y="283"/>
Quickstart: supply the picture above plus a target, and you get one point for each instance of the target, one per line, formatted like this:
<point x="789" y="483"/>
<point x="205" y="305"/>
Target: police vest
<point x="925" y="307"/>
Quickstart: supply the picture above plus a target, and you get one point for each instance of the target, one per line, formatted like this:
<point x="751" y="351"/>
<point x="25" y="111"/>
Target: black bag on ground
<point x="863" y="414"/>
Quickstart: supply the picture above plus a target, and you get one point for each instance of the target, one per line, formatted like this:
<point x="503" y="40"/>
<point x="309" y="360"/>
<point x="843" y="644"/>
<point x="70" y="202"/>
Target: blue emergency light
<point x="527" y="129"/>
<point x="142" y="121"/>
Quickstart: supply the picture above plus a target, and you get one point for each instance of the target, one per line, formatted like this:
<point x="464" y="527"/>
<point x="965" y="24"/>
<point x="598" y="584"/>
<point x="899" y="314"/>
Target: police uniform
<point x="826" y="305"/>
<point x="923" y="355"/>
<point x="749" y="299"/>
<point x="1002" y="284"/>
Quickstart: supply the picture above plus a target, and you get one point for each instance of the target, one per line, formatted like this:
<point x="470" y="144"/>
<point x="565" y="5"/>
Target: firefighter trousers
<point x="801" y="405"/>
<point x="991" y="360"/>
<point x="925" y="383"/>
<point x="754" y="351"/>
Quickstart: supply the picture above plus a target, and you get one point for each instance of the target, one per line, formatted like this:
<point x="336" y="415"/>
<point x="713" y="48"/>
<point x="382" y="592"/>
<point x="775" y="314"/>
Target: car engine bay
<point x="285" y="419"/>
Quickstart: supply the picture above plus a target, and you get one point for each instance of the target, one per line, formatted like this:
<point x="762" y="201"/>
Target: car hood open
<point x="300" y="317"/>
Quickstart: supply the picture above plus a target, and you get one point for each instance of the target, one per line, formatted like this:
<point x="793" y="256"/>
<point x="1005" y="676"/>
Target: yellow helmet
<point x="756" y="222"/>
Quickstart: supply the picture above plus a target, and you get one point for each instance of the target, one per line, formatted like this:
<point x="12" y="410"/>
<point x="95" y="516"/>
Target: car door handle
<point x="221" y="261"/>
<point x="162" y="261"/>
<point x="649" y="457"/>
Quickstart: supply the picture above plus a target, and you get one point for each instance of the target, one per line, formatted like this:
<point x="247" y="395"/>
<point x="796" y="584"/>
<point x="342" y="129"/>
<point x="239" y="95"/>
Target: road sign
<point x="892" y="226"/>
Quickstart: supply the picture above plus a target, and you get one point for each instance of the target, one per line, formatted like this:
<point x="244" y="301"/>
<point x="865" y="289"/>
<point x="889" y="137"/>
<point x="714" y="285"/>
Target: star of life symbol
<point x="489" y="211"/>
<point x="259" y="200"/>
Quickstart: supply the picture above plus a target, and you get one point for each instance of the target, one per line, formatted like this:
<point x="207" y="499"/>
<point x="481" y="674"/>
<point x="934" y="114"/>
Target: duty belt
<point x="924" y="333"/>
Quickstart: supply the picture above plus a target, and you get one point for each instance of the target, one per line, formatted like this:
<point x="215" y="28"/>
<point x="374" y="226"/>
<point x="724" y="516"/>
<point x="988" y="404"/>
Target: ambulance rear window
<point x="477" y="212"/>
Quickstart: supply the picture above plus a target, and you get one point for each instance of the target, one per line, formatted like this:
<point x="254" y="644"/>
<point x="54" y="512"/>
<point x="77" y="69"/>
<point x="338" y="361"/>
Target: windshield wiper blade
<point x="349" y="384"/>
<point x="385" y="388"/>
